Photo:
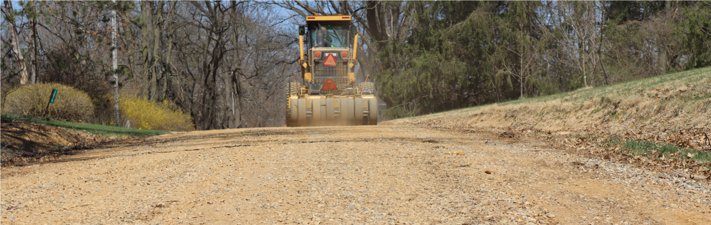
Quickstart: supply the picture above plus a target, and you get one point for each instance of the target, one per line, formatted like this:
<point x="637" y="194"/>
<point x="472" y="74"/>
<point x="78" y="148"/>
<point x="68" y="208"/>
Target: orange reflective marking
<point x="330" y="60"/>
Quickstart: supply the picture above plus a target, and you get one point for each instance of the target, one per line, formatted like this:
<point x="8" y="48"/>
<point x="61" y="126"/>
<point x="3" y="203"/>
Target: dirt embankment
<point x="24" y="143"/>
<point x="671" y="109"/>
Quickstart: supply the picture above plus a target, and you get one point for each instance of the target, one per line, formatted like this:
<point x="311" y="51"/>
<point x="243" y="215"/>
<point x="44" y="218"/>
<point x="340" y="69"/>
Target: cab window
<point x="329" y="34"/>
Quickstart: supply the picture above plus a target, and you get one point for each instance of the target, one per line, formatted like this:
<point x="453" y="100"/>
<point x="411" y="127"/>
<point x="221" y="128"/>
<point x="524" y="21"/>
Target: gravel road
<point x="335" y="175"/>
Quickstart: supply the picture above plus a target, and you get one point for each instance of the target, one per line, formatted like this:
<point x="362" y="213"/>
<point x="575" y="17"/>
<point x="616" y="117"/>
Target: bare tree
<point x="114" y="63"/>
<point x="9" y="14"/>
<point x="35" y="42"/>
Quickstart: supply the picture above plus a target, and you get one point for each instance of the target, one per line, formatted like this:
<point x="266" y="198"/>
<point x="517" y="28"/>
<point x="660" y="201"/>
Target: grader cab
<point x="328" y="92"/>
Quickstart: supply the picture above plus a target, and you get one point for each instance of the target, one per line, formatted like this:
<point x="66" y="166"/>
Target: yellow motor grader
<point x="328" y="92"/>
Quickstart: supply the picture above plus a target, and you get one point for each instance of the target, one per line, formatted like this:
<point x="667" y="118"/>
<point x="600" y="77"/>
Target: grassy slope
<point x="630" y="88"/>
<point x="664" y="114"/>
<point x="88" y="127"/>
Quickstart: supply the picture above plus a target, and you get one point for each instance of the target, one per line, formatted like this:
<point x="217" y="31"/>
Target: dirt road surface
<point x="335" y="175"/>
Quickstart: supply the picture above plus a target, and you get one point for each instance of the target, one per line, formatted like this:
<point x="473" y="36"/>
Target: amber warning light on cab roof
<point x="328" y="18"/>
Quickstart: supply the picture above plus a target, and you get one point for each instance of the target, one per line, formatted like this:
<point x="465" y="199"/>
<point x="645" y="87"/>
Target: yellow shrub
<point x="31" y="100"/>
<point x="146" y="114"/>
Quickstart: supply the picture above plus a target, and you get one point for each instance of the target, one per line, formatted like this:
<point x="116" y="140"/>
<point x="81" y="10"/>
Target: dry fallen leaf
<point x="459" y="152"/>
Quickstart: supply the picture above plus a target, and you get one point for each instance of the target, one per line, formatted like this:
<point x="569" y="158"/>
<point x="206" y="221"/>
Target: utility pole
<point x="114" y="60"/>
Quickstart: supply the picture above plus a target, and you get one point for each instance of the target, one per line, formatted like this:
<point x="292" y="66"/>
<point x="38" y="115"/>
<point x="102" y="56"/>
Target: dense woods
<point x="226" y="63"/>
<point x="458" y="54"/>
<point x="223" y="63"/>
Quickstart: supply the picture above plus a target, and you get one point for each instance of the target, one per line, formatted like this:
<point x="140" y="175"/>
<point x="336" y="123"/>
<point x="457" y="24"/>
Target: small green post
<point x="53" y="96"/>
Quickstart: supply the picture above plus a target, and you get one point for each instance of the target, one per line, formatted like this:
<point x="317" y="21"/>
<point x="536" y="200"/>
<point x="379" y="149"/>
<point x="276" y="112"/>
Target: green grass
<point x="613" y="91"/>
<point x="697" y="97"/>
<point x="623" y="88"/>
<point x="88" y="127"/>
<point x="648" y="148"/>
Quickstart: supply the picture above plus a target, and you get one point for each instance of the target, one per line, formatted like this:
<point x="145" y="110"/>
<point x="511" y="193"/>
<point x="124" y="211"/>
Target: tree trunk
<point x="601" y="41"/>
<point x="35" y="43"/>
<point x="235" y="84"/>
<point x="168" y="63"/>
<point x="156" y="30"/>
<point x="147" y="47"/>
<point x="521" y="72"/>
<point x="114" y="63"/>
<point x="521" y="54"/>
<point x="24" y="76"/>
